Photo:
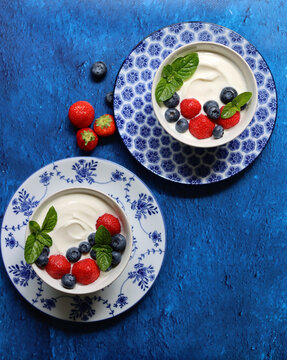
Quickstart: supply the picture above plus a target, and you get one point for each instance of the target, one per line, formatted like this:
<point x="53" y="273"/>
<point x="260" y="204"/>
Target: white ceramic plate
<point x="146" y="222"/>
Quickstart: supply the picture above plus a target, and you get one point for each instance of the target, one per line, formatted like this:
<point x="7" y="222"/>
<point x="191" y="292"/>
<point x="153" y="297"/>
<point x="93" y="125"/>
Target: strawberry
<point x="105" y="125"/>
<point x="86" y="271"/>
<point x="229" y="122"/>
<point x="190" y="108"/>
<point x="58" y="266"/>
<point x="81" y="114"/>
<point x="201" y="127"/>
<point x="110" y="222"/>
<point x="87" y="139"/>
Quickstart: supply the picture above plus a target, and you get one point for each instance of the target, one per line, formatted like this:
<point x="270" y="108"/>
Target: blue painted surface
<point x="221" y="293"/>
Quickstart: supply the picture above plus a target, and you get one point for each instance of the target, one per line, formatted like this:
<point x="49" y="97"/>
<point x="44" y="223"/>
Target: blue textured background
<point x="227" y="298"/>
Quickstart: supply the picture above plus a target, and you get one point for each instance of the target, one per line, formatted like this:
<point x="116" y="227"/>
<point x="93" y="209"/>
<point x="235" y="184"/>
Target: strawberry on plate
<point x="58" y="266"/>
<point x="87" y="139"/>
<point x="86" y="271"/>
<point x="110" y="222"/>
<point x="105" y="125"/>
<point x="201" y="127"/>
<point x="81" y="114"/>
<point x="190" y="108"/>
<point x="229" y="122"/>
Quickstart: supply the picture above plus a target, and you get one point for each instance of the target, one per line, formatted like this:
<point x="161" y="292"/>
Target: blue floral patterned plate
<point x="151" y="145"/>
<point x="142" y="211"/>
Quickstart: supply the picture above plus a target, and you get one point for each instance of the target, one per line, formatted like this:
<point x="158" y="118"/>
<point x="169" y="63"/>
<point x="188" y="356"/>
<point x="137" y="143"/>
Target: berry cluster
<point x="70" y="269"/>
<point x="81" y="115"/>
<point x="201" y="125"/>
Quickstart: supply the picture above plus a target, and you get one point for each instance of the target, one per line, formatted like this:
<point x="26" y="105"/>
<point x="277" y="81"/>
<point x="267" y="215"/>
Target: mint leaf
<point x="186" y="66"/>
<point x="228" y="111"/>
<point x="50" y="220"/>
<point x="104" y="257"/>
<point x="164" y="90"/>
<point x="34" y="227"/>
<point x="33" y="249"/>
<point x="173" y="76"/>
<point x="241" y="99"/>
<point x="103" y="236"/>
<point x="44" y="239"/>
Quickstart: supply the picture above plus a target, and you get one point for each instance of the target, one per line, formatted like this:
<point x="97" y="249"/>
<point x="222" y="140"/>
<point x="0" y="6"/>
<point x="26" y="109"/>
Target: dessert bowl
<point x="78" y="210"/>
<point x="219" y="67"/>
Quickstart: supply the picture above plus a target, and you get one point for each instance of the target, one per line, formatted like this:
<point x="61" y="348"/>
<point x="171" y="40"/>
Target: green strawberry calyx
<point x="104" y="121"/>
<point x="87" y="136"/>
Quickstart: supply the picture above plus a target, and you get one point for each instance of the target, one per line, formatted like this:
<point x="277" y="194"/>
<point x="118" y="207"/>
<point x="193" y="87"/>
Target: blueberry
<point x="243" y="107"/>
<point x="68" y="281"/>
<point x="172" y="115"/>
<point x="218" y="132"/>
<point x="213" y="112"/>
<point x="99" y="70"/>
<point x="46" y="250"/>
<point x="73" y="254"/>
<point x="109" y="268"/>
<point x="227" y="94"/>
<point x="109" y="98"/>
<point x="181" y="125"/>
<point x="42" y="260"/>
<point x="173" y="101"/>
<point x="84" y="247"/>
<point x="91" y="238"/>
<point x="116" y="258"/>
<point x="208" y="104"/>
<point x="118" y="242"/>
<point x="93" y="254"/>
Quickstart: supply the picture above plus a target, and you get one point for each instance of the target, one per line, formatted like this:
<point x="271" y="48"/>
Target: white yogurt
<point x="214" y="72"/>
<point x="77" y="216"/>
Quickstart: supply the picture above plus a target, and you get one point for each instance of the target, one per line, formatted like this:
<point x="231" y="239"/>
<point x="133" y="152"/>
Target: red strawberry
<point x="105" y="125"/>
<point x="190" y="108"/>
<point x="86" y="271"/>
<point x="201" y="127"/>
<point x="81" y="114"/>
<point x="229" y="122"/>
<point x="87" y="139"/>
<point x="110" y="222"/>
<point x="58" y="266"/>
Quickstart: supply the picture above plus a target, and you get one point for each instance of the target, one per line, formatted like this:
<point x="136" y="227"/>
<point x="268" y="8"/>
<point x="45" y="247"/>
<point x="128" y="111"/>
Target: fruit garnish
<point x="99" y="70"/>
<point x="173" y="101"/>
<point x="228" y="123"/>
<point x="173" y="76"/>
<point x="218" y="132"/>
<point x="109" y="98"/>
<point x="227" y="94"/>
<point x="68" y="281"/>
<point x="58" y="266"/>
<point x="181" y="125"/>
<point x="86" y="271"/>
<point x="189" y="108"/>
<point x="39" y="237"/>
<point x="73" y="254"/>
<point x="201" y="127"/>
<point x="171" y="115"/>
<point x="110" y="222"/>
<point x="235" y="105"/>
<point x="102" y="248"/>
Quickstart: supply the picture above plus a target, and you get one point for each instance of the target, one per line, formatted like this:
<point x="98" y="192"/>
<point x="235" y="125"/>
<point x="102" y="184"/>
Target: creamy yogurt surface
<point x="77" y="216"/>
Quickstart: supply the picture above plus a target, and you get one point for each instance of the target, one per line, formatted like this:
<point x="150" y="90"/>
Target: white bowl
<point x="236" y="61"/>
<point x="105" y="278"/>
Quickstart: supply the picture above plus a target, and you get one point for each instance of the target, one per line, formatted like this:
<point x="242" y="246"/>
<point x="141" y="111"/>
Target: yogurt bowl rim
<point x="116" y="271"/>
<point x="209" y="142"/>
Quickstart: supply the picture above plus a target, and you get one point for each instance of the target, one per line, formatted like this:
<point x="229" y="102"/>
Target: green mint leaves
<point x="173" y="76"/>
<point x="39" y="238"/>
<point x="102" y="248"/>
<point x="235" y="105"/>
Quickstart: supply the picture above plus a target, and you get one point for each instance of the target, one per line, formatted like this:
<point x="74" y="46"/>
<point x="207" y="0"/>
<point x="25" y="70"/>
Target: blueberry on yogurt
<point x="171" y="115"/>
<point x="173" y="101"/>
<point x="73" y="254"/>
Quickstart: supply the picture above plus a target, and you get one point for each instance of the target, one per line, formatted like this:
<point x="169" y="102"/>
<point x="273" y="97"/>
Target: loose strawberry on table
<point x="81" y="114"/>
<point x="105" y="125"/>
<point x="87" y="139"/>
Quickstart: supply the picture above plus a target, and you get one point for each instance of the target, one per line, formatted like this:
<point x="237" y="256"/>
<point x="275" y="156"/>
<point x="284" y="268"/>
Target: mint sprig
<point x="173" y="76"/>
<point x="235" y="105"/>
<point x="39" y="238"/>
<point x="102" y="248"/>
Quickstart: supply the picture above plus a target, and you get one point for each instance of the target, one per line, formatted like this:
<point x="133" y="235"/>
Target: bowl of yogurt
<point x="77" y="212"/>
<point x="218" y="67"/>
